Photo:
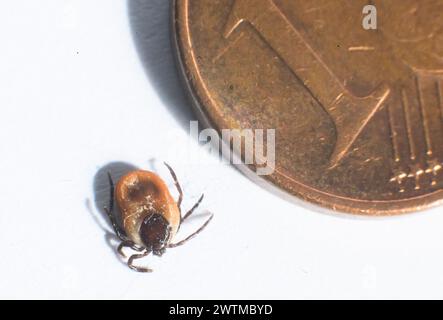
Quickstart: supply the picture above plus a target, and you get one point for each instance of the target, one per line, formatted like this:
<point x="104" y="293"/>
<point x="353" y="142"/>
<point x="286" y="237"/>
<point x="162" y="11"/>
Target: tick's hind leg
<point x="128" y="244"/>
<point x="191" y="211"/>
<point x="118" y="231"/>
<point x="173" y="245"/>
<point x="135" y="257"/>
<point x="177" y="185"/>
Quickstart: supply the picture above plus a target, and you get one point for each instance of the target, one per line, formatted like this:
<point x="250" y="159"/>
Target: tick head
<point x="155" y="232"/>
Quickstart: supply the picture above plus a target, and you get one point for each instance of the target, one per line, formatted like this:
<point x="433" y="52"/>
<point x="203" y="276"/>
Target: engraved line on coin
<point x="228" y="47"/>
<point x="361" y="48"/>
<point x="424" y="116"/>
<point x="438" y="87"/>
<point x="400" y="175"/>
<point x="350" y="114"/>
<point x="407" y="112"/>
<point x="394" y="134"/>
<point x="322" y="7"/>
<point x="416" y="172"/>
<point x="435" y="165"/>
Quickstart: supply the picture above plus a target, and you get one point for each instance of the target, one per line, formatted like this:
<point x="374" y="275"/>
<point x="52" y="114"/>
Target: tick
<point x="149" y="214"/>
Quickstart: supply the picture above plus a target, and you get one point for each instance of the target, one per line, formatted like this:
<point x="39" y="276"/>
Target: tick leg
<point x="177" y="185"/>
<point x="128" y="244"/>
<point x="120" y="234"/>
<point x="138" y="256"/>
<point x="173" y="245"/>
<point x="191" y="211"/>
<point x="111" y="192"/>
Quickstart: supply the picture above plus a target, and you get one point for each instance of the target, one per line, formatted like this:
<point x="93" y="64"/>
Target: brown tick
<point x="150" y="216"/>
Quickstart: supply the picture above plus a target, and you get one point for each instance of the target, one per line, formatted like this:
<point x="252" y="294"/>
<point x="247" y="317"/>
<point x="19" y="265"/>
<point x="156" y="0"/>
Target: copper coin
<point x="358" y="111"/>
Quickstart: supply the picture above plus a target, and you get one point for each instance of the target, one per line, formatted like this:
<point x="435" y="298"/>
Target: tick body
<point x="149" y="214"/>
